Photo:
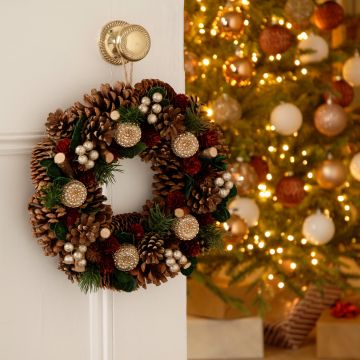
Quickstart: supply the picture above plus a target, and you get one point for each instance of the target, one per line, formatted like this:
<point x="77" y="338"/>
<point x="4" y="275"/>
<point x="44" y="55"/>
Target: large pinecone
<point x="61" y="124"/>
<point x="144" y="86"/>
<point x="107" y="99"/>
<point x="95" y="198"/>
<point x="123" y="222"/>
<point x="167" y="167"/>
<point x="204" y="197"/>
<point x="100" y="129"/>
<point x="41" y="218"/>
<point x="43" y="150"/>
<point x="151" y="249"/>
<point x="170" y="123"/>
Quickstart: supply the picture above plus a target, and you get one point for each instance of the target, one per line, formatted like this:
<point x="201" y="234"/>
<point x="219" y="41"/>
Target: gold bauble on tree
<point x="231" y="24"/>
<point x="226" y="109"/>
<point x="238" y="70"/>
<point x="237" y="228"/>
<point x="191" y="64"/>
<point x="330" y="119"/>
<point x="331" y="174"/>
<point x="299" y="11"/>
<point x="244" y="177"/>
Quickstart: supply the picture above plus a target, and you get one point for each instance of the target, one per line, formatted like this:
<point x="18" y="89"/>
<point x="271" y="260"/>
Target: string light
<point x="282" y="156"/>
<point x="293" y="266"/>
<point x="261" y="245"/>
<point x="278" y="56"/>
<point x="271" y="277"/>
<point x="271" y="149"/>
<point x="272" y="251"/>
<point x="313" y="254"/>
<point x="310" y="175"/>
<point x="285" y="147"/>
<point x="203" y="8"/>
<point x="303" y="241"/>
<point x="268" y="177"/>
<point x="279" y="250"/>
<point x="292" y="159"/>
<point x="202" y="31"/>
<point x="279" y="79"/>
<point x="347" y="218"/>
<point x="303" y="36"/>
<point x="341" y="198"/>
<point x="250" y="246"/>
<point x="297" y="62"/>
<point x="271" y="58"/>
<point x="229" y="247"/>
<point x="213" y="32"/>
<point x="304" y="71"/>
<point x="267" y="233"/>
<point x="206" y="62"/>
<point x="209" y="112"/>
<point x="314" y="261"/>
<point x="347" y="207"/>
<point x="290" y="237"/>
<point x="304" y="153"/>
<point x="246" y="22"/>
<point x="281" y="285"/>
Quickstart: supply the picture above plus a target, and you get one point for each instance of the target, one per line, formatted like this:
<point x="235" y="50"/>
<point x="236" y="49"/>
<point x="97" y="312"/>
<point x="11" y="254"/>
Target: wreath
<point x="84" y="147"/>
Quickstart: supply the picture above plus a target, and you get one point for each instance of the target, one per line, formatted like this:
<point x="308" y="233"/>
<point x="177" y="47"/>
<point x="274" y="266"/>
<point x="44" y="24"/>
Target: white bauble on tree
<point x="318" y="229"/>
<point x="286" y="118"/>
<point x="247" y="209"/>
<point x="355" y="166"/>
<point x="351" y="70"/>
<point x="317" y="45"/>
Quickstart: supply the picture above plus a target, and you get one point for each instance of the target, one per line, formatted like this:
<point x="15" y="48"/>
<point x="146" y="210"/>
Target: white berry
<point x="175" y="268"/>
<point x="80" y="150"/>
<point x="177" y="254"/>
<point x="219" y="181"/>
<point x="229" y="185"/>
<point x="157" y="97"/>
<point x="115" y="115"/>
<point x="227" y="176"/>
<point x="88" y="145"/>
<point x="156" y="108"/>
<point x="146" y="100"/>
<point x="93" y="155"/>
<point x="152" y="118"/>
<point x="89" y="164"/>
<point x="83" y="159"/>
<point x="143" y="108"/>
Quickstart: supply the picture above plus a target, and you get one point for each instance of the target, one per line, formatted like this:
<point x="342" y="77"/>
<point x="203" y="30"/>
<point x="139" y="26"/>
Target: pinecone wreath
<point x="85" y="146"/>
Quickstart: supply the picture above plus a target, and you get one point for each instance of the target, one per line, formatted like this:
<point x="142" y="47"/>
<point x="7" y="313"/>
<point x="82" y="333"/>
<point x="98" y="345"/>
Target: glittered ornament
<point x="330" y="119"/>
<point x="186" y="228"/>
<point x="74" y="194"/>
<point x="127" y="134"/>
<point x="238" y="70"/>
<point x="344" y="93"/>
<point x="318" y="229"/>
<point x="191" y="65"/>
<point x="185" y="145"/>
<point x="331" y="174"/>
<point x="286" y="118"/>
<point x="260" y="166"/>
<point x="244" y="177"/>
<point x="290" y="191"/>
<point x="226" y="110"/>
<point x="351" y="70"/>
<point x="316" y="48"/>
<point x="355" y="166"/>
<point x="231" y="24"/>
<point x="247" y="209"/>
<point x="299" y="12"/>
<point x="329" y="15"/>
<point x="126" y="257"/>
<point x="275" y="39"/>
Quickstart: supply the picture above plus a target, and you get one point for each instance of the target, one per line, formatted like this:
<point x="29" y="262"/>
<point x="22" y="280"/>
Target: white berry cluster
<point x="76" y="257"/>
<point x="86" y="154"/>
<point x="175" y="260"/>
<point x="151" y="107"/>
<point x="225" y="184"/>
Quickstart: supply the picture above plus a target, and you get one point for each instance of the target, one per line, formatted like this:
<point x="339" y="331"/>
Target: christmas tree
<point x="279" y="76"/>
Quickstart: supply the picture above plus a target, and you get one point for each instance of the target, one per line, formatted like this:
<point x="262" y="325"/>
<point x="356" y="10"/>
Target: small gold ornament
<point x="185" y="145"/>
<point x="186" y="228"/>
<point x="238" y="71"/>
<point x="331" y="174"/>
<point x="127" y="134"/>
<point x="126" y="257"/>
<point x="226" y="110"/>
<point x="74" y="194"/>
<point x="237" y="227"/>
<point x="231" y="24"/>
<point x="244" y="177"/>
<point x="330" y="119"/>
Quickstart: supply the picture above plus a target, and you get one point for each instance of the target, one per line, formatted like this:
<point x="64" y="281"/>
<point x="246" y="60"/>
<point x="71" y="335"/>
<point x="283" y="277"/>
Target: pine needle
<point x="90" y="280"/>
<point x="104" y="172"/>
<point x="212" y="235"/>
<point x="158" y="222"/>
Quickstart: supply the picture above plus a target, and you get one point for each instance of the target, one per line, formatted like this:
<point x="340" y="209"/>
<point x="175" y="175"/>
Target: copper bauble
<point x="237" y="228"/>
<point x="331" y="174"/>
<point x="344" y="93"/>
<point x="329" y="15"/>
<point x="226" y="109"/>
<point x="299" y="11"/>
<point x="231" y="24"/>
<point x="191" y="64"/>
<point x="238" y="71"/>
<point x="260" y="166"/>
<point x="330" y="119"/>
<point x="275" y="39"/>
<point x="290" y="191"/>
<point x="244" y="177"/>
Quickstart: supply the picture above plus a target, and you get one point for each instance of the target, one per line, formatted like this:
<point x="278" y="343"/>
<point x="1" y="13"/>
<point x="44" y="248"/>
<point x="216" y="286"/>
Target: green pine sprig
<point x="104" y="172"/>
<point x="90" y="280"/>
<point x="131" y="115"/>
<point x="158" y="222"/>
<point x="53" y="192"/>
<point x="193" y="120"/>
<point x="212" y="235"/>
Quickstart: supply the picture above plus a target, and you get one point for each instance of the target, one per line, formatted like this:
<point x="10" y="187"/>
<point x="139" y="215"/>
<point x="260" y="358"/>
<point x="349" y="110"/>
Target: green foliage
<point x="212" y="235"/>
<point x="158" y="222"/>
<point x="218" y="162"/>
<point x="123" y="281"/>
<point x="131" y="115"/>
<point x="104" y="172"/>
<point x="132" y="151"/>
<point x="125" y="237"/>
<point x="76" y="138"/>
<point x="60" y="230"/>
<point x="187" y="272"/>
<point x="189" y="184"/>
<point x="52" y="170"/>
<point x="90" y="280"/>
<point x="194" y="121"/>
<point x="156" y="89"/>
<point x="51" y="194"/>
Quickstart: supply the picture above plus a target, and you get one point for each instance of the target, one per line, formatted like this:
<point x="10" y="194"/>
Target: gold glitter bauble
<point x="331" y="174"/>
<point x="74" y="194"/>
<point x="238" y="71"/>
<point x="330" y="119"/>
<point x="126" y="257"/>
<point x="185" y="145"/>
<point x="231" y="24"/>
<point x="127" y="134"/>
<point x="244" y="177"/>
<point x="186" y="228"/>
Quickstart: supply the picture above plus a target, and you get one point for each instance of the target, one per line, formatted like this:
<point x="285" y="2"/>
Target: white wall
<point x="49" y="59"/>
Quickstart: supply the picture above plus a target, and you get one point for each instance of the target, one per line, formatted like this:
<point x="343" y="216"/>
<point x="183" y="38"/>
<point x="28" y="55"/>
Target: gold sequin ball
<point x="127" y="135"/>
<point x="74" y="194"/>
<point x="126" y="257"/>
<point x="185" y="145"/>
<point x="186" y="228"/>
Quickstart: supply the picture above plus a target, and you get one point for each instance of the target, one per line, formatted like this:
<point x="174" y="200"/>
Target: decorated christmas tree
<point x="279" y="77"/>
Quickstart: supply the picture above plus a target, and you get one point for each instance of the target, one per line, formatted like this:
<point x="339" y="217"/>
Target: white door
<point x="49" y="59"/>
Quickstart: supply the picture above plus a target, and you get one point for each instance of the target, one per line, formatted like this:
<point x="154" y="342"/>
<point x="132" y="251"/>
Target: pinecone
<point x="152" y="274"/>
<point x="123" y="222"/>
<point x="61" y="124"/>
<point x="204" y="197"/>
<point x="144" y="86"/>
<point x="170" y="123"/>
<point x="151" y="153"/>
<point x="41" y="218"/>
<point x="42" y="150"/>
<point x="151" y="249"/>
<point x="95" y="198"/>
<point x="100" y="129"/>
<point x="107" y="99"/>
